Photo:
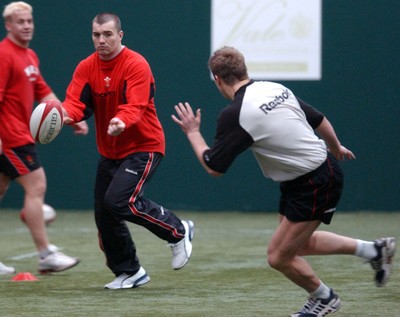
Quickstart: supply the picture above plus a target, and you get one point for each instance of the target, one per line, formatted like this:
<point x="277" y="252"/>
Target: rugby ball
<point x="49" y="214"/>
<point x="46" y="121"/>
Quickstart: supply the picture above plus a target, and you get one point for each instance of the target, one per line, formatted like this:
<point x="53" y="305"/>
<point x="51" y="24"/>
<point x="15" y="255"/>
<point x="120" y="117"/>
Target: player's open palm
<point x="188" y="121"/>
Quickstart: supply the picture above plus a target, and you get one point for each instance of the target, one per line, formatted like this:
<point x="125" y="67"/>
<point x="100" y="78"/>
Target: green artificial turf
<point x="226" y="276"/>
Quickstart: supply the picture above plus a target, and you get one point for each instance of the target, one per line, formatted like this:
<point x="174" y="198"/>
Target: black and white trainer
<point x="320" y="307"/>
<point x="382" y="263"/>
<point x="129" y="281"/>
<point x="182" y="250"/>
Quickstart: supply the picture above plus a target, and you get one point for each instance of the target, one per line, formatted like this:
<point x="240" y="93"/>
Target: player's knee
<point x="275" y="260"/>
<point x="41" y="189"/>
<point x="110" y="202"/>
<point x="272" y="261"/>
<point x="34" y="190"/>
<point x="114" y="204"/>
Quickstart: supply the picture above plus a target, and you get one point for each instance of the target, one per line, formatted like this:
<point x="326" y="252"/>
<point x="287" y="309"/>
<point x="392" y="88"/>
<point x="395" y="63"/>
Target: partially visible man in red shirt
<point x="21" y="84"/>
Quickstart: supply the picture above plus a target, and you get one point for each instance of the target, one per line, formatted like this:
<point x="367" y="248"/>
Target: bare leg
<point x="326" y="243"/>
<point x="34" y="185"/>
<point x="288" y="239"/>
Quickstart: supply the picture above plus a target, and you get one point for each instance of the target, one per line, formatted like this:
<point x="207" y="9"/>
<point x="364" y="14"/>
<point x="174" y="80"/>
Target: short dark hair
<point x="228" y="64"/>
<point x="105" y="17"/>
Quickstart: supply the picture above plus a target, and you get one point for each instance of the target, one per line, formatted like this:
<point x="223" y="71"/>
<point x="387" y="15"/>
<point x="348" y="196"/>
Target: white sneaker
<point x="320" y="307"/>
<point x="4" y="269"/>
<point x="56" y="261"/>
<point x="182" y="250"/>
<point x="129" y="281"/>
<point x="382" y="263"/>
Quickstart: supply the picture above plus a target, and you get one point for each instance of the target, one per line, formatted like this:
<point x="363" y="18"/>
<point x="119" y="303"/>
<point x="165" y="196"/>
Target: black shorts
<point x="313" y="196"/>
<point x="19" y="161"/>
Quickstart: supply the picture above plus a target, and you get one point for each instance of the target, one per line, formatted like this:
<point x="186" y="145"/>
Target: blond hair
<point x="14" y="7"/>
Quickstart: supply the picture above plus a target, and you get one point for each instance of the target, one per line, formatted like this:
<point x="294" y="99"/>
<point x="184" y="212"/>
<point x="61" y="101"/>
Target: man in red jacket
<point x="117" y="85"/>
<point x="21" y="84"/>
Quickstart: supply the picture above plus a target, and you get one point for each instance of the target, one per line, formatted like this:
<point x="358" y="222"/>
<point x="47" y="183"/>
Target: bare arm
<point x="190" y="125"/>
<point x="325" y="129"/>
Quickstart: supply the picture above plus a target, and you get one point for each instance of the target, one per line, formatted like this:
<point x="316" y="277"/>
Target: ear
<point x="121" y="34"/>
<point x="8" y="26"/>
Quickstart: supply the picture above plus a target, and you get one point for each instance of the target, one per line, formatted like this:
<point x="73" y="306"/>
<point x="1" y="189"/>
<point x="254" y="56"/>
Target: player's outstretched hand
<point x="187" y="120"/>
<point x="80" y="128"/>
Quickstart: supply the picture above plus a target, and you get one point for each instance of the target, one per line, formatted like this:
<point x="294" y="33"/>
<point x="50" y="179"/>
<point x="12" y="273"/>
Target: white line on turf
<point x="24" y="256"/>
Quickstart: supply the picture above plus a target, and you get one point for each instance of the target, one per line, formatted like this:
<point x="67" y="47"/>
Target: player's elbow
<point x="214" y="173"/>
<point x="210" y="171"/>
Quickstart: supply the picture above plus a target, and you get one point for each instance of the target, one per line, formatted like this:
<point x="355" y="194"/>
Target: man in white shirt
<point x="278" y="127"/>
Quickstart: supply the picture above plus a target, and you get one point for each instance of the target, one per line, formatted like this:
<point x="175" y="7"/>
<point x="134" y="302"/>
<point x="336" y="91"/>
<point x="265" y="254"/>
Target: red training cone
<point x="24" y="276"/>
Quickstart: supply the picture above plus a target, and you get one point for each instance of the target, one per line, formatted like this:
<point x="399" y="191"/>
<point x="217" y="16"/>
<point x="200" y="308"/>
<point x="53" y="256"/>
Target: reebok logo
<point x="266" y="107"/>
<point x="130" y="171"/>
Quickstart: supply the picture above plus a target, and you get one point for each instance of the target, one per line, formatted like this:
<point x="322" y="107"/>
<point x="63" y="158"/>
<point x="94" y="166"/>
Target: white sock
<point x="44" y="252"/>
<point x="366" y="249"/>
<point x="322" y="292"/>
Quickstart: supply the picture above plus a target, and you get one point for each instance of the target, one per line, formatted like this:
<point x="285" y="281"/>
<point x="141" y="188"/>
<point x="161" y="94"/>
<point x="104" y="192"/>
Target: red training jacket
<point x="21" y="84"/>
<point x="122" y="87"/>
